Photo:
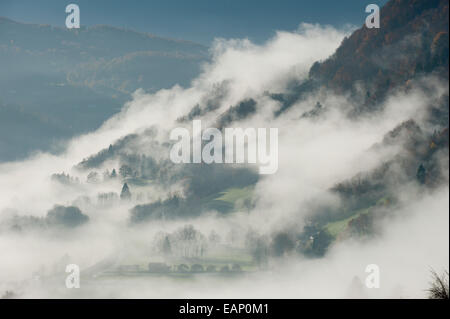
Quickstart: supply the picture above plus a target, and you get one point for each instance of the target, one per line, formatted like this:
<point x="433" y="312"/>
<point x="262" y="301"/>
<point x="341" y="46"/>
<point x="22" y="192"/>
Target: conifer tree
<point x="125" y="194"/>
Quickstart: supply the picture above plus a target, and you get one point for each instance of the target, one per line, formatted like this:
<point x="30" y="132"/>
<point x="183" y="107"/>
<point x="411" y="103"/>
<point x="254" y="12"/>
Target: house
<point x="183" y="268"/>
<point x="236" y="268"/>
<point x="211" y="268"/>
<point x="197" y="268"/>
<point x="129" y="268"/>
<point x="158" y="268"/>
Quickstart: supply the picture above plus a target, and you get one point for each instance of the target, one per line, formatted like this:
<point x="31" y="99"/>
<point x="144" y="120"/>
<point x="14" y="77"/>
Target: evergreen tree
<point x="167" y="248"/>
<point x="125" y="194"/>
<point x="421" y="174"/>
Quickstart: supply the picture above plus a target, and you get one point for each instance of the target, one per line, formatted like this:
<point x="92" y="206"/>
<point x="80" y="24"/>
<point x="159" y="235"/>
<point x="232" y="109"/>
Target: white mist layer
<point x="313" y="156"/>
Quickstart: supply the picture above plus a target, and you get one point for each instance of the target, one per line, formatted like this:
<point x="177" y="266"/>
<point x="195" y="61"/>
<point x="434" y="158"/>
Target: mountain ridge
<point x="80" y="78"/>
<point x="102" y="26"/>
<point x="409" y="42"/>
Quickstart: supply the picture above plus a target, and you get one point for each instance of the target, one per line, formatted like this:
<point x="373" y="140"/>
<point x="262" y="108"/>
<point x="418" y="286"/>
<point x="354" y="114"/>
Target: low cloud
<point x="315" y="153"/>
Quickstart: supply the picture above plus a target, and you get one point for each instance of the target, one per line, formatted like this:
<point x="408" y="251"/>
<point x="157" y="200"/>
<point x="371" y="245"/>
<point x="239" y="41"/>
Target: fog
<point x="315" y="153"/>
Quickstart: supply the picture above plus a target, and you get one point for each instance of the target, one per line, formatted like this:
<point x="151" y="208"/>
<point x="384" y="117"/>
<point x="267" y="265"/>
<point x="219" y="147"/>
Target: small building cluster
<point x="160" y="268"/>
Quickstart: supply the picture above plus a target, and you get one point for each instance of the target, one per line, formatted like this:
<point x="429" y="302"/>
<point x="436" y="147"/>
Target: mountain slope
<point x="412" y="40"/>
<point x="79" y="78"/>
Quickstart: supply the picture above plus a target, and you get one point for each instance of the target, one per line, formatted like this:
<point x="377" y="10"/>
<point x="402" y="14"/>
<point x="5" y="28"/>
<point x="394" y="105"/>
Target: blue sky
<point x="196" y="20"/>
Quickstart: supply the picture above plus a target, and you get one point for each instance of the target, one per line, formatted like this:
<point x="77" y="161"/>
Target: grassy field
<point x="336" y="228"/>
<point x="236" y="196"/>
